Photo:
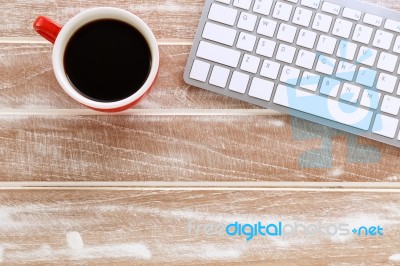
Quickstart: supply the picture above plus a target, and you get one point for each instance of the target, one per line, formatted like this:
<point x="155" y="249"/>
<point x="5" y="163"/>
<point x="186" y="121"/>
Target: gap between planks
<point x="141" y="112"/>
<point x="144" y="112"/>
<point x="211" y="186"/>
<point x="38" y="40"/>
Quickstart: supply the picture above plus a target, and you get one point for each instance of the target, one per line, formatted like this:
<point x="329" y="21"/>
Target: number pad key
<point x="322" y="22"/>
<point x="245" y="4"/>
<point x="342" y="28"/>
<point x="263" y="7"/>
<point x="282" y="11"/>
<point x="383" y="39"/>
<point x="362" y="34"/>
<point x="302" y="17"/>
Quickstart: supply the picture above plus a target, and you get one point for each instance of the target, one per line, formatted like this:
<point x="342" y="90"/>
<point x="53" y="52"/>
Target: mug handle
<point x="47" y="28"/>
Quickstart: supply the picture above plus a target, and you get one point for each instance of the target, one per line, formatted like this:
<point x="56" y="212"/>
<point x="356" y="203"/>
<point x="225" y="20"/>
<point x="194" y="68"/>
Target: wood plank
<point x="168" y="19"/>
<point x="161" y="226"/>
<point x="187" y="148"/>
<point x="27" y="81"/>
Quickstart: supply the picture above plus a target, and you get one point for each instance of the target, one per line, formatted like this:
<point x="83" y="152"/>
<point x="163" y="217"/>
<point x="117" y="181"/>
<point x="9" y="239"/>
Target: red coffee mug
<point x="60" y="37"/>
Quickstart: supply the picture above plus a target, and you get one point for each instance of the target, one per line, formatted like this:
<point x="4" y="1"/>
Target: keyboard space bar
<point x="320" y="106"/>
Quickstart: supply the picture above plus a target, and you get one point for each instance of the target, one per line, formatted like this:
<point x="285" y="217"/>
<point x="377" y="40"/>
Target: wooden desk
<point x="83" y="187"/>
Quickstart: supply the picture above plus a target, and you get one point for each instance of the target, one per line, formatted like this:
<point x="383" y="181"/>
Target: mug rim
<point x="84" y="18"/>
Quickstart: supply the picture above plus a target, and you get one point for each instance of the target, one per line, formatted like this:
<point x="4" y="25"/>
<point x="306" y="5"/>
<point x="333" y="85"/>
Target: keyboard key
<point x="310" y="81"/>
<point x="323" y="107"/>
<point x="305" y="59"/>
<point x="218" y="33"/>
<point x="290" y="75"/>
<point x="342" y="28"/>
<point x="351" y="13"/>
<point x="366" y="76"/>
<point x="263" y="7"/>
<point x="282" y="11"/>
<point x="386" y="82"/>
<point x="306" y="38"/>
<point x="322" y="22"/>
<point x="270" y="69"/>
<point x="218" y="54"/>
<point x="367" y="56"/>
<point x="311" y="3"/>
<point x="346" y="71"/>
<point x="261" y="89"/>
<point x="219" y="76"/>
<point x="239" y="82"/>
<point x="245" y="4"/>
<point x="373" y="20"/>
<point x="392" y="25"/>
<point x="286" y="33"/>
<point x="334" y="60"/>
<point x="387" y="62"/>
<point x="390" y="105"/>
<point x="331" y="8"/>
<point x="266" y="47"/>
<point x="266" y="27"/>
<point x="383" y="39"/>
<point x="330" y="87"/>
<point x="250" y="63"/>
<point x="370" y="99"/>
<point x="362" y="34"/>
<point x="396" y="47"/>
<point x="385" y="126"/>
<point x="200" y="70"/>
<point x="222" y="14"/>
<point x="285" y="53"/>
<point x="325" y="65"/>
<point x="247" y="21"/>
<point x="346" y="50"/>
<point x="326" y="44"/>
<point x="246" y="41"/>
<point x="350" y="93"/>
<point x="302" y="17"/>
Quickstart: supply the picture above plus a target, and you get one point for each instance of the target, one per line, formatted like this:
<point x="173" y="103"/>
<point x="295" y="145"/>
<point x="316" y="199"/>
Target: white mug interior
<point x="84" y="18"/>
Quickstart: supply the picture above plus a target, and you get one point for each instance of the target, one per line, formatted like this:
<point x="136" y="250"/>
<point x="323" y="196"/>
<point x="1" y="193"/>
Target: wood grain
<point x="43" y="139"/>
<point x="27" y="81"/>
<point x="150" y="227"/>
<point x="186" y="148"/>
<point x="175" y="148"/>
<point x="168" y="19"/>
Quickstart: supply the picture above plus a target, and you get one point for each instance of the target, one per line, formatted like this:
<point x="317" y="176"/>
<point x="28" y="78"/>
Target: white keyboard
<point x="332" y="62"/>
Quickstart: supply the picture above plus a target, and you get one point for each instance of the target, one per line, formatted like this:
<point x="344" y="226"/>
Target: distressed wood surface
<point x="28" y="84"/>
<point x="187" y="148"/>
<point x="178" y="136"/>
<point x="175" y="19"/>
<point x="27" y="81"/>
<point x="169" y="19"/>
<point x="158" y="226"/>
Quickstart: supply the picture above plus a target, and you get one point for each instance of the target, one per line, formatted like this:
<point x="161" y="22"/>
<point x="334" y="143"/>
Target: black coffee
<point x="107" y="60"/>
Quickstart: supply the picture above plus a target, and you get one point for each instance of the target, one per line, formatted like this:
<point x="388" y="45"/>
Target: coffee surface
<point x="107" y="60"/>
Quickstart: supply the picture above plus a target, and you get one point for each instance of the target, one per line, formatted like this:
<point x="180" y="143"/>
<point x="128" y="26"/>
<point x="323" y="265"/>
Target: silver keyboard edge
<point x="355" y="4"/>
